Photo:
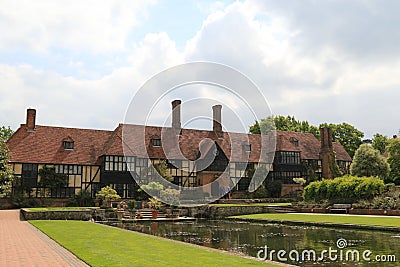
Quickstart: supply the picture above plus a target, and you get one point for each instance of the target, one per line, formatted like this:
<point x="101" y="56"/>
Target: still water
<point x="249" y="238"/>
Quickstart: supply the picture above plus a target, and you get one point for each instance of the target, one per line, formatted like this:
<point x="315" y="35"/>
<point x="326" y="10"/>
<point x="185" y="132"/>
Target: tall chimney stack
<point x="326" y="138"/>
<point x="217" y="126"/>
<point x="176" y="114"/>
<point x="326" y="154"/>
<point x="30" y="120"/>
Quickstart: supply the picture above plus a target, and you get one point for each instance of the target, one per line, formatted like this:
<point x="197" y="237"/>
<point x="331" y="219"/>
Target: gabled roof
<point x="45" y="145"/>
<point x="138" y="142"/>
<point x="308" y="145"/>
<point x="341" y="153"/>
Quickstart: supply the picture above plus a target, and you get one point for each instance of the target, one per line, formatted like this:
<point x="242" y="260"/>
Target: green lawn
<point x="253" y="204"/>
<point x="326" y="218"/>
<point x="99" y="245"/>
<point x="60" y="208"/>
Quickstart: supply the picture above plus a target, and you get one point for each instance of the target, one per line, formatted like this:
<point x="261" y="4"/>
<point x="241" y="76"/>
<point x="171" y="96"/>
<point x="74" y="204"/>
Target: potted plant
<point x="155" y="205"/>
<point x="106" y="195"/>
<point x="120" y="214"/>
<point x="138" y="215"/>
<point x="121" y="209"/>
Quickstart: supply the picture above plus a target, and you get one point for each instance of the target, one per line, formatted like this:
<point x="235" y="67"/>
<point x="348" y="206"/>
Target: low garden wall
<point x="217" y="212"/>
<point x="81" y="215"/>
<point x="253" y="200"/>
<point x="353" y="211"/>
<point x="10" y="203"/>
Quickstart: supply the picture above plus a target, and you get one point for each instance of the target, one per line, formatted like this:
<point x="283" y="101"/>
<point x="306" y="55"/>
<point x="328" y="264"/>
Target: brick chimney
<point x="30" y="120"/>
<point x="217" y="126"/>
<point x="176" y="115"/>
<point x="326" y="154"/>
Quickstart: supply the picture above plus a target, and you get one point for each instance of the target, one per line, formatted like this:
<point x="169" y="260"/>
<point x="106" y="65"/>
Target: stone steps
<point x="148" y="214"/>
<point x="285" y="210"/>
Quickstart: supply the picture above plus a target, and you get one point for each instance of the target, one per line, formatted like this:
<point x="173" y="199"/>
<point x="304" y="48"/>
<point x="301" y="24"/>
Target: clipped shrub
<point x="152" y="188"/>
<point x="107" y="194"/>
<point x="84" y="198"/>
<point x="171" y="196"/>
<point x="344" y="189"/>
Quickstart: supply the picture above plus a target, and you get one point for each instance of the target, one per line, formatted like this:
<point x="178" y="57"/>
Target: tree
<point x="162" y="169"/>
<point x="347" y="135"/>
<point x="152" y="188"/>
<point x="265" y="126"/>
<point x="344" y="133"/>
<point x="170" y="196"/>
<point x="255" y="128"/>
<point x="51" y="180"/>
<point x="282" y="123"/>
<point x="5" y="133"/>
<point x="289" y="123"/>
<point x="380" y="142"/>
<point x="83" y="198"/>
<point x="6" y="174"/>
<point x="368" y="161"/>
<point x="393" y="149"/>
<point x="106" y="195"/>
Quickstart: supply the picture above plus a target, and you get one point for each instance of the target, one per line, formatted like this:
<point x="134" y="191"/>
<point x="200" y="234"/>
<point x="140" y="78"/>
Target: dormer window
<point x="294" y="141"/>
<point x="247" y="148"/>
<point x="156" y="142"/>
<point x="68" y="145"/>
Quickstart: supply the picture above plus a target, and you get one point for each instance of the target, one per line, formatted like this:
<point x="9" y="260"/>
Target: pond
<point x="297" y="242"/>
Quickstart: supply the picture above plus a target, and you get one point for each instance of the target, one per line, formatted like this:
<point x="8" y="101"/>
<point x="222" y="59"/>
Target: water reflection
<point x="248" y="238"/>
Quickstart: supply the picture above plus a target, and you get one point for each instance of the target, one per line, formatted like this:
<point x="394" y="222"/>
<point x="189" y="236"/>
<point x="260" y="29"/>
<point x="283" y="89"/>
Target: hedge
<point x="344" y="189"/>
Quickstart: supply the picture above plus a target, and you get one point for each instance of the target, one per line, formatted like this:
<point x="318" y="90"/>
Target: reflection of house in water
<point x="92" y="159"/>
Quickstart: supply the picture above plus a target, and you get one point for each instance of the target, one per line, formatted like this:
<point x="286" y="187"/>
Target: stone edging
<point x="330" y="225"/>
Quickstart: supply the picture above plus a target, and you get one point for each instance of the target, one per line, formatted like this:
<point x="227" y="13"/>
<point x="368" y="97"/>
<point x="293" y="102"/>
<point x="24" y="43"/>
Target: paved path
<point x="21" y="244"/>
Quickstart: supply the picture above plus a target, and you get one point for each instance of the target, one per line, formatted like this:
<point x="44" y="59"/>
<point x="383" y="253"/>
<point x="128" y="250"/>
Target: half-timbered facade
<point x="91" y="159"/>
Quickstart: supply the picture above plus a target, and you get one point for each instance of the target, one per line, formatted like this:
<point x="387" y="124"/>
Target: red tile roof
<point x="138" y="142"/>
<point x="308" y="145"/>
<point x="341" y="153"/>
<point x="45" y="144"/>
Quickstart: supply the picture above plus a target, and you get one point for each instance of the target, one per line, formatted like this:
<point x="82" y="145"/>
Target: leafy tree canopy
<point x="5" y="132"/>
<point x="162" y="169"/>
<point x="393" y="149"/>
<point x="152" y="188"/>
<point x="380" y="142"/>
<point x="49" y="178"/>
<point x="368" y="161"/>
<point x="347" y="135"/>
<point x="107" y="194"/>
<point x="6" y="174"/>
<point x="344" y="133"/>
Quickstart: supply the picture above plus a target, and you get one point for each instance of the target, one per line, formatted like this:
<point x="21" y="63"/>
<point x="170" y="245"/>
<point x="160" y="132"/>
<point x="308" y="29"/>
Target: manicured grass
<point x="326" y="218"/>
<point x="253" y="204"/>
<point x="60" y="208"/>
<point x="99" y="245"/>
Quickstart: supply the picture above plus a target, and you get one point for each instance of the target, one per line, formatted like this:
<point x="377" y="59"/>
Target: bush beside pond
<point x="346" y="189"/>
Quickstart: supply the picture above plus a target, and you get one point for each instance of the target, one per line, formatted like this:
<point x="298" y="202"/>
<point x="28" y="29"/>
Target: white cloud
<point x="92" y="25"/>
<point x="311" y="59"/>
<point x="322" y="61"/>
<point x="69" y="101"/>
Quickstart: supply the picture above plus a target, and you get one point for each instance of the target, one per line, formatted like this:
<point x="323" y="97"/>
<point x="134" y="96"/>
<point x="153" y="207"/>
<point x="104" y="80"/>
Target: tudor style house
<point x="92" y="159"/>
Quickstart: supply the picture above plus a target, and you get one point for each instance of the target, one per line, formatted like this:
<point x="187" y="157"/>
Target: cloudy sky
<point x="80" y="63"/>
